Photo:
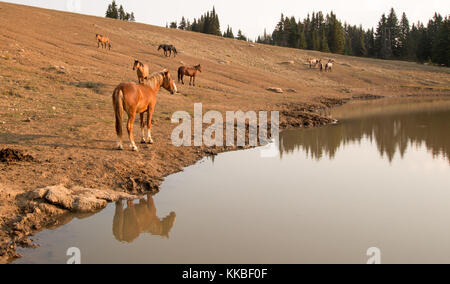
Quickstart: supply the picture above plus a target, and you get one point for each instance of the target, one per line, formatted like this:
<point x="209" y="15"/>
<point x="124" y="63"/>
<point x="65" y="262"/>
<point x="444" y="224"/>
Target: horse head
<point x="199" y="67"/>
<point x="168" y="82"/>
<point x="136" y="64"/>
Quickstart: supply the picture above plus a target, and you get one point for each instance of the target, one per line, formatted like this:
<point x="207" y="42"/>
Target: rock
<point x="251" y="45"/>
<point x="59" y="195"/>
<point x="37" y="193"/>
<point x="275" y="90"/>
<point x="88" y="204"/>
<point x="288" y="62"/>
<point x="224" y="62"/>
<point x="78" y="199"/>
<point x="291" y="90"/>
<point x="54" y="108"/>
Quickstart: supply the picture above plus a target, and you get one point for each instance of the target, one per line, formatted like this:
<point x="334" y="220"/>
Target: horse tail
<point x="118" y="109"/>
<point x="180" y="73"/>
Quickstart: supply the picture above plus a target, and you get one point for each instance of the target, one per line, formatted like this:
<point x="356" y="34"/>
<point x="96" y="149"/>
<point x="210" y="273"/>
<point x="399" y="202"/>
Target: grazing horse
<point x="188" y="71"/>
<point x="103" y="41"/>
<point x="313" y="62"/>
<point x="142" y="71"/>
<point x="329" y="65"/>
<point x="168" y="49"/>
<point x="139" y="99"/>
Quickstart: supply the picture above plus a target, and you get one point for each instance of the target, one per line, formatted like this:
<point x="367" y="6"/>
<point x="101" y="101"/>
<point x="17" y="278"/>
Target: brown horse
<point x="142" y="71"/>
<point x="188" y="71"/>
<point x="139" y="99"/>
<point x="103" y="41"/>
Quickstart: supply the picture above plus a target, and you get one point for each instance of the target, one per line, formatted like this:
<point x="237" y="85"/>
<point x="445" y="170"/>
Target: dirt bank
<point x="56" y="118"/>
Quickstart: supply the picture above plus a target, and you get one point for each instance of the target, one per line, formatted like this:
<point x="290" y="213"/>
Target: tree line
<point x="208" y="23"/>
<point x="115" y="12"/>
<point x="392" y="39"/>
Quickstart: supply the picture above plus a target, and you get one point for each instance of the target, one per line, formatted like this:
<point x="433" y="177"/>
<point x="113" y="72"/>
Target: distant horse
<point x="313" y="62"/>
<point x="168" y="49"/>
<point x="321" y="65"/>
<point x="139" y="99"/>
<point x="142" y="71"/>
<point x="188" y="71"/>
<point x="329" y="65"/>
<point x="103" y="41"/>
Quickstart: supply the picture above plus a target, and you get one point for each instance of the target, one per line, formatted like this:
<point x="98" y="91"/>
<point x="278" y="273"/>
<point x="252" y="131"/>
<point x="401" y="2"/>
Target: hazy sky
<point x="253" y="16"/>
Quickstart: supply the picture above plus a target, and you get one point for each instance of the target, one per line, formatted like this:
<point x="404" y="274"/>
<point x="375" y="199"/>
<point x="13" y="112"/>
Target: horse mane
<point x="155" y="79"/>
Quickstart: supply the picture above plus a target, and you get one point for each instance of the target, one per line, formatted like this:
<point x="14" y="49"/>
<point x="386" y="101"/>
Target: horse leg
<point x="190" y="81"/>
<point x="194" y="80"/>
<point x="182" y="78"/>
<point x="150" y="111"/>
<point x="142" y="128"/>
<point x="130" y="124"/>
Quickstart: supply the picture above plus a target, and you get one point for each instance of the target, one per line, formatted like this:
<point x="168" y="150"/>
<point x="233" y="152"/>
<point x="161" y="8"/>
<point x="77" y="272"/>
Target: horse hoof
<point x="143" y="142"/>
<point x="150" y="142"/>
<point x="119" y="148"/>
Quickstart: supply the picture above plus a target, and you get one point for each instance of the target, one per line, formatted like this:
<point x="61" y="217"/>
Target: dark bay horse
<point x="188" y="71"/>
<point x="139" y="99"/>
<point x="168" y="49"/>
<point x="103" y="41"/>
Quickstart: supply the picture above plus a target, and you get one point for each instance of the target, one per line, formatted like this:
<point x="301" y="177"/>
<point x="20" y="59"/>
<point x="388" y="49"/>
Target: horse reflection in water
<point x="137" y="219"/>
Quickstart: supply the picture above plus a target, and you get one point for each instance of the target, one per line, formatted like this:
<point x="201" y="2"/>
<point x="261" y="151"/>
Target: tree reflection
<point x="393" y="133"/>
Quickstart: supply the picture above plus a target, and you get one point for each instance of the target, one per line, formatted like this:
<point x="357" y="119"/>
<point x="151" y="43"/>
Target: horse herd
<point x="141" y="98"/>
<point x="314" y="62"/>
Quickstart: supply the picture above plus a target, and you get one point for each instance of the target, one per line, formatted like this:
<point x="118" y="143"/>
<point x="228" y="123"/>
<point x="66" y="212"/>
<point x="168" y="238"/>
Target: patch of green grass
<point x="12" y="93"/>
<point x="31" y="87"/>
<point x="429" y="88"/>
<point x="94" y="86"/>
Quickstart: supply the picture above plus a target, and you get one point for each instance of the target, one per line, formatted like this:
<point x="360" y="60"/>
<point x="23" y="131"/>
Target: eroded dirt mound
<point x="10" y="156"/>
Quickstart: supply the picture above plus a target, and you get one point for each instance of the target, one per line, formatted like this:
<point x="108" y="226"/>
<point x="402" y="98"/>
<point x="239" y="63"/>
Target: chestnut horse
<point x="142" y="71"/>
<point x="188" y="71"/>
<point x="103" y="41"/>
<point x="139" y="99"/>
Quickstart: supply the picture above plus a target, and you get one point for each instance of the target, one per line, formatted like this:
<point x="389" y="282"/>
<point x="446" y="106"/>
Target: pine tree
<point x="394" y="33"/>
<point x="403" y="42"/>
<point x="336" y="34"/>
<point x="173" y="25"/>
<point x="441" y="46"/>
<point x="241" y="36"/>
<point x="383" y="42"/>
<point x="122" y="15"/>
<point x="112" y="11"/>
<point x="183" y="24"/>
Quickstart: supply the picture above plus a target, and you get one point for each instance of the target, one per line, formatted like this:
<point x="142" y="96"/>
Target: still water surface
<point x="380" y="178"/>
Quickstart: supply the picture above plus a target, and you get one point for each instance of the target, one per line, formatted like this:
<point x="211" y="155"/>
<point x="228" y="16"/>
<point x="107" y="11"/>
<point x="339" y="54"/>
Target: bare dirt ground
<point x="57" y="122"/>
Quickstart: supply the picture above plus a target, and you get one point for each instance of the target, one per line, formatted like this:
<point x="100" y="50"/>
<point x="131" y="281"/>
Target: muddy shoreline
<point x="46" y="207"/>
